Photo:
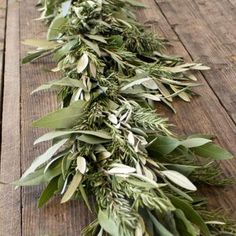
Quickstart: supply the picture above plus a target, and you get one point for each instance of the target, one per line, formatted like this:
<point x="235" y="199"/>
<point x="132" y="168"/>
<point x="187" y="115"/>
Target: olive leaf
<point x="82" y="63"/>
<point x="77" y="178"/>
<point x="179" y="179"/>
<point x="44" y="157"/>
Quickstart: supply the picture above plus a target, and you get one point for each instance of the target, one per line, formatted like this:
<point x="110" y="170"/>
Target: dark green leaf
<point x="212" y="151"/>
<point x="48" y="192"/>
<point x="63" y="118"/>
<point x="190" y="214"/>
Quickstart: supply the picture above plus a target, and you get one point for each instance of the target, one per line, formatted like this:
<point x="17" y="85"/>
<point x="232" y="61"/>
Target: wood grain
<point x="54" y="219"/>
<point x="10" y="199"/>
<point x="207" y="31"/>
<point x="197" y="29"/>
<point x="205" y="114"/>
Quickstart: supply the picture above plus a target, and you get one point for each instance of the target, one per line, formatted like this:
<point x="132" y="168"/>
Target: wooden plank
<point x="54" y="218"/>
<point x="2" y="44"/>
<point x="204" y="114"/>
<point x="10" y="200"/>
<point x="207" y="30"/>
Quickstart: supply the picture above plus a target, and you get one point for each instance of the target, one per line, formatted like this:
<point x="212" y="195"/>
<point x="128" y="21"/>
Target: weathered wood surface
<point x="197" y="29"/>
<point x="10" y="199"/>
<point x="2" y="43"/>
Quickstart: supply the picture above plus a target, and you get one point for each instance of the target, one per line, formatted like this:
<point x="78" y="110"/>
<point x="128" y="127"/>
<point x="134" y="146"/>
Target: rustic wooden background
<point x="201" y="30"/>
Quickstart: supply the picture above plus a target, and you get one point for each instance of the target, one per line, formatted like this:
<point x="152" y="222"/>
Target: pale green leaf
<point x="44" y="157"/>
<point x="82" y="63"/>
<point x="40" y="43"/>
<point x="55" y="28"/>
<point x="107" y="223"/>
<point x="179" y="179"/>
<point x="212" y="151"/>
<point x="72" y="187"/>
<point x="194" y="142"/>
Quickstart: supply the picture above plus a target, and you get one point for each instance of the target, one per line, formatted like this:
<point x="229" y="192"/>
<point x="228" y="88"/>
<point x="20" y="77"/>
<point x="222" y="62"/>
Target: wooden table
<point x="200" y="30"/>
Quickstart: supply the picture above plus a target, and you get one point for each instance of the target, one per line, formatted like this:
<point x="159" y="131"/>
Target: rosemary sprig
<point x="112" y="142"/>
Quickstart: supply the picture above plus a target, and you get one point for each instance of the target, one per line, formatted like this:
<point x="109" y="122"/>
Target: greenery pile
<point x="108" y="139"/>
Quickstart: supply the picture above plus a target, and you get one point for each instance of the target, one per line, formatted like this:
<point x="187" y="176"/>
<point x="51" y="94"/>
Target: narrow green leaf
<point x="63" y="118"/>
<point x="179" y="179"/>
<point x="82" y="63"/>
<point x="72" y="187"/>
<point x="194" y="142"/>
<point x="184" y="226"/>
<point x="212" y="151"/>
<point x="48" y="192"/>
<point x="190" y="214"/>
<point x="40" y="43"/>
<point x="90" y="139"/>
<point x="164" y="145"/>
<point x="44" y="157"/>
<point x="159" y="228"/>
<point x="62" y="82"/>
<point x="108" y="224"/>
<point x="33" y="56"/>
<point x="55" y="28"/>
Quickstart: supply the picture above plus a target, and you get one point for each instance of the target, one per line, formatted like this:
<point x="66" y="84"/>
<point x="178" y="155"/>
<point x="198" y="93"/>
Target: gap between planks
<point x="10" y="199"/>
<point x="3" y="16"/>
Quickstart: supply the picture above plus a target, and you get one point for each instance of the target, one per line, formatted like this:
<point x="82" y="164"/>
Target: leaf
<point x="62" y="118"/>
<point x="135" y="82"/>
<point x="92" y="45"/>
<point x="81" y="164"/>
<point x="65" y="7"/>
<point x="183" y="225"/>
<point x="90" y="139"/>
<point x="84" y="196"/>
<point x="212" y="151"/>
<point x="55" y="28"/>
<point x="113" y="119"/>
<point x="146" y="179"/>
<point x="150" y="84"/>
<point x="33" y="56"/>
<point x="183" y="169"/>
<point x="82" y="63"/>
<point x="121" y="170"/>
<point x="164" y="144"/>
<point x="72" y="187"/>
<point x="108" y="224"/>
<point x="179" y="179"/>
<point x="97" y="38"/>
<point x="39" y="176"/>
<point x="151" y="96"/>
<point x="48" y="192"/>
<point x="40" y="43"/>
<point x="44" y="157"/>
<point x="131" y="139"/>
<point x="180" y="92"/>
<point x="99" y="133"/>
<point x="63" y="82"/>
<point x="190" y="214"/>
<point x="159" y="228"/>
<point x="194" y="142"/>
<point x="52" y="135"/>
<point x="63" y="51"/>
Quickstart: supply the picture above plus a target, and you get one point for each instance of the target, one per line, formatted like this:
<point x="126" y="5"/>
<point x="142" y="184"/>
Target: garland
<point x="108" y="140"/>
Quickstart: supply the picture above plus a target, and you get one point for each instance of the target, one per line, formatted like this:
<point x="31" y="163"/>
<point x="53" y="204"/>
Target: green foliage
<point x="114" y="144"/>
